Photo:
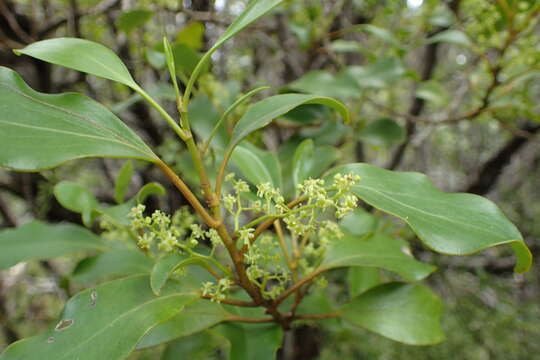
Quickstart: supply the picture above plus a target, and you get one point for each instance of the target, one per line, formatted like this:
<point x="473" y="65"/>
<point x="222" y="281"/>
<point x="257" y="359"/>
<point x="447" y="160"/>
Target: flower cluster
<point x="265" y="269"/>
<point x="308" y="223"/>
<point x="217" y="291"/>
<point x="179" y="232"/>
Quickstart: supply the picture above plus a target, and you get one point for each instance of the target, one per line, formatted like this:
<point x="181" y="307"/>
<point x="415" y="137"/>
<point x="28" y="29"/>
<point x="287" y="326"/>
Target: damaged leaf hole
<point x="93" y="298"/>
<point x="50" y="340"/>
<point x="64" y="324"/>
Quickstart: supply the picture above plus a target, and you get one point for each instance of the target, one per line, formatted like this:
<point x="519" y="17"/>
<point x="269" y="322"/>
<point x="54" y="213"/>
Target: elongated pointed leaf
<point x="122" y="182"/>
<point x="82" y="55"/>
<point x="375" y="251"/>
<point x="105" y="322"/>
<point x="40" y="131"/>
<point x="256" y="165"/>
<point x="37" y="240"/>
<point x="451" y="36"/>
<point x="200" y="346"/>
<point x="408" y="313"/>
<point x="200" y="315"/>
<point x="302" y="161"/>
<point x="252" y="341"/>
<point x="254" y="10"/>
<point x="262" y="113"/>
<point x="454" y="224"/>
<point x="114" y="263"/>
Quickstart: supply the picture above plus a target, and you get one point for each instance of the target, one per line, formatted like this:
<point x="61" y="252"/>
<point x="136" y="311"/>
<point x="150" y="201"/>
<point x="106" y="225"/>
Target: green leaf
<point x="408" y="313"/>
<point x="433" y="92"/>
<point x="254" y="10"/>
<point x="256" y="165"/>
<point x="186" y="59"/>
<point x="302" y="161"/>
<point x="358" y="222"/>
<point x="383" y="132"/>
<point x="53" y="129"/>
<point x="82" y="55"/>
<point x="454" y="224"/>
<point x="199" y="315"/>
<point x="163" y="269"/>
<point x="262" y="113"/>
<point x="131" y="20"/>
<point x="451" y="36"/>
<point x="36" y="240"/>
<point x="192" y="35"/>
<point x="375" y="251"/>
<point x="380" y="33"/>
<point x="361" y="279"/>
<point x="384" y="72"/>
<point x="320" y="82"/>
<point x="112" y="263"/>
<point x="200" y="346"/>
<point x="252" y="341"/>
<point x="122" y="182"/>
<point x="105" y="322"/>
<point x="77" y="198"/>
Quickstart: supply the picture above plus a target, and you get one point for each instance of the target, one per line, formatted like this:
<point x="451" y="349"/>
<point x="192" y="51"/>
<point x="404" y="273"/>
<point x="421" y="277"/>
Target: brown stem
<point x="188" y="194"/>
<point x="317" y="316"/>
<point x="249" y="320"/>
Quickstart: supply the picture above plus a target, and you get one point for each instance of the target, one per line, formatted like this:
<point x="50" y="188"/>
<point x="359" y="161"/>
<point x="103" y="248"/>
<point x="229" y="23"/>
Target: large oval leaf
<point x="82" y="55"/>
<point x="199" y="315"/>
<point x="262" y="113"/>
<point x="40" y="131"/>
<point x="36" y="240"/>
<point x="112" y="264"/>
<point x="375" y="251"/>
<point x="105" y="322"/>
<point x="408" y="313"/>
<point x="454" y="224"/>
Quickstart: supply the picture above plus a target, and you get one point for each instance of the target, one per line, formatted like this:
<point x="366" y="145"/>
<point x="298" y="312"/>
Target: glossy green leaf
<point x="451" y="36"/>
<point x="36" y="240"/>
<point x="252" y="341"/>
<point x="133" y="19"/>
<point x="199" y="315"/>
<point x="408" y="313"/>
<point x="122" y="182"/>
<point x="256" y="165"/>
<point x="358" y="222"/>
<point x="262" y="113"/>
<point x="375" y="251"/>
<point x="200" y="346"/>
<point x="82" y="55"/>
<point x="361" y="279"/>
<point x="77" y="198"/>
<point x="114" y="263"/>
<point x="104" y="322"/>
<point x="40" y="131"/>
<point x="302" y="161"/>
<point x="383" y="132"/>
<point x="454" y="224"/>
<point x="163" y="269"/>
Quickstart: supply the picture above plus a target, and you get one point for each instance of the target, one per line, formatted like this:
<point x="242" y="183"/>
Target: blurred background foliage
<point x="448" y="88"/>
